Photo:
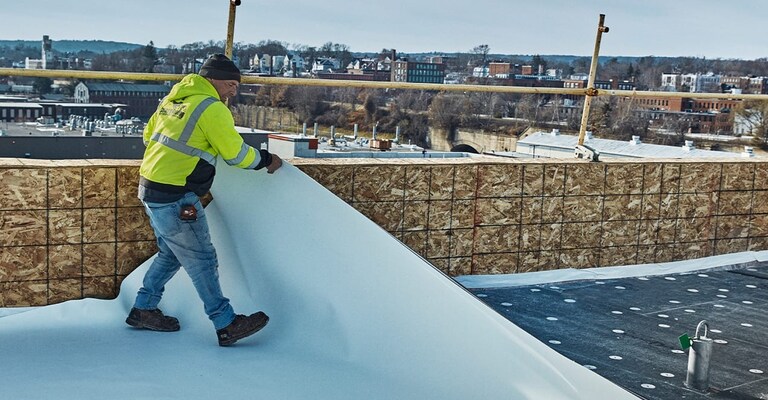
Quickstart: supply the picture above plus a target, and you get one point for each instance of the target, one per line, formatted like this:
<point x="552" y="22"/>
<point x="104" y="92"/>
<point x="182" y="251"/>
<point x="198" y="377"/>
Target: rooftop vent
<point x="688" y="146"/>
<point x="635" y="140"/>
<point x="588" y="135"/>
<point x="555" y="132"/>
<point x="748" y="152"/>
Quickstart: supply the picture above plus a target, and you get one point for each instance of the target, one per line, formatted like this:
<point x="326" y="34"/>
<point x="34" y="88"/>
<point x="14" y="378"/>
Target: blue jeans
<point x="184" y="243"/>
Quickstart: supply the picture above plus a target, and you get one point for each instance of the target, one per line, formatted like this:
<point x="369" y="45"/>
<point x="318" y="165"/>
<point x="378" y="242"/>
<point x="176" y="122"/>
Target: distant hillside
<point x="73" y="46"/>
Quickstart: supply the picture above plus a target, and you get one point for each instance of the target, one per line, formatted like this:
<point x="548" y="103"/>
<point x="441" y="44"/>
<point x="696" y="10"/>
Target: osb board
<point x="23" y="189"/>
<point x="475" y="216"/>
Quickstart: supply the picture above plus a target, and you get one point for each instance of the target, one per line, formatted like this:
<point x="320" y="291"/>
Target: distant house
<point x="694" y="83"/>
<point x="260" y="63"/>
<point x="325" y="64"/>
<point x="293" y="63"/>
<point x="141" y="99"/>
<point x="275" y="65"/>
<point x="482" y="72"/>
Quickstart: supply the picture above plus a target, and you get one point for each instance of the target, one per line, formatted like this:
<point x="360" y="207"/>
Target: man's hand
<point x="275" y="164"/>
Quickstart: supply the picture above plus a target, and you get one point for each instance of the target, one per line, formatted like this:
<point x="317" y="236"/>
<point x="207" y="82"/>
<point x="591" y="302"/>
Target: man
<point x="191" y="127"/>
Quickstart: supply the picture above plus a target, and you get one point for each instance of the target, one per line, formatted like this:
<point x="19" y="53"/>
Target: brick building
<point x="419" y="72"/>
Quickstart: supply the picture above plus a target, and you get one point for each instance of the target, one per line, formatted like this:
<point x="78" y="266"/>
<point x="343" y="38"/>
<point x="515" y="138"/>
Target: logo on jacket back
<point x="175" y="110"/>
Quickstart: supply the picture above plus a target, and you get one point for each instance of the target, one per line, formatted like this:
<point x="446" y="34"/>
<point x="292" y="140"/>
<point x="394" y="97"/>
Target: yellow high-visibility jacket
<point x="190" y="128"/>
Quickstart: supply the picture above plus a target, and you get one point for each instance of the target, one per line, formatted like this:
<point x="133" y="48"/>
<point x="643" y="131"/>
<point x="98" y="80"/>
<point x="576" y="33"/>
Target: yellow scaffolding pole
<point x="231" y="27"/>
<point x="591" y="82"/>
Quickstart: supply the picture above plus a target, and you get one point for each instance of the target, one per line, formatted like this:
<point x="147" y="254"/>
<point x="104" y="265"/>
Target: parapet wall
<point x="73" y="229"/>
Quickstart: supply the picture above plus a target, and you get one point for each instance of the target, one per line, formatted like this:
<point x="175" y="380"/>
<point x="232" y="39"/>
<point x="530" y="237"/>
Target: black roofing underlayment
<point x="627" y="330"/>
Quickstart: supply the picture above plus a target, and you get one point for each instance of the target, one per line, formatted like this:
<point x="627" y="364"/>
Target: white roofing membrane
<point x="354" y="315"/>
<point x="621" y="147"/>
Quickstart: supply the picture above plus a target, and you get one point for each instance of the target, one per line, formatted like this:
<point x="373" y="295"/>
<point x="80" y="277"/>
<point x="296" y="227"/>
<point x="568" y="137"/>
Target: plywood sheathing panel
<point x="23" y="293"/>
<point x="99" y="187"/>
<point x="530" y="212"/>
<point x="489" y="239"/>
<point x="65" y="261"/>
<point x="99" y="225"/>
<point x="415" y="215"/>
<point x="499" y="180"/>
<point x="337" y="180"/>
<point x="465" y="182"/>
<point x="733" y="202"/>
<point x="23" y="228"/>
<point x="133" y="224"/>
<point x="463" y="214"/>
<point x="738" y="176"/>
<point x="461" y="242"/>
<point x="23" y="189"/>
<point x="416" y="240"/>
<point x="25" y="263"/>
<point x="761" y="176"/>
<point x="585" y="179"/>
<point x="497" y="263"/>
<point x="623" y="179"/>
<point x="127" y="187"/>
<point x="60" y="290"/>
<point x="442" y="181"/>
<point x="537" y="215"/>
<point x="460" y="266"/>
<point x="417" y="183"/>
<point x="620" y="207"/>
<point x="65" y="226"/>
<point x="497" y="211"/>
<point x="65" y="188"/>
<point x="379" y="183"/>
<point x="99" y="259"/>
<point x="131" y="254"/>
<point x="438" y="243"/>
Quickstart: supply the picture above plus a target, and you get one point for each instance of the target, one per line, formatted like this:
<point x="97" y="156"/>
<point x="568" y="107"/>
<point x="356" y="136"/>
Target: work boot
<point x="152" y="319"/>
<point x="241" y="327"/>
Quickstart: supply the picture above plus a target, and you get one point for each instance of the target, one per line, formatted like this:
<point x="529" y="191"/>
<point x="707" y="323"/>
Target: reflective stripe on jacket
<point x="190" y="128"/>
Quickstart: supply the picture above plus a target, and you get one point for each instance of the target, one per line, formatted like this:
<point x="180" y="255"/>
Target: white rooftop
<point x="617" y="148"/>
<point x="345" y="324"/>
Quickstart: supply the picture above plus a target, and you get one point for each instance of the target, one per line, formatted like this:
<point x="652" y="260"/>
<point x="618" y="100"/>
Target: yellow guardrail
<point x="140" y="76"/>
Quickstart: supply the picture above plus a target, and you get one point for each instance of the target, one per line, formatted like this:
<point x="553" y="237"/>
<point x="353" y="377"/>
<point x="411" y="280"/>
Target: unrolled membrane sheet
<point x="354" y="315"/>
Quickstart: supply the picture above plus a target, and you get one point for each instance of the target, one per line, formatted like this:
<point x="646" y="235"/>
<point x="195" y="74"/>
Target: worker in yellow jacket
<point x="191" y="128"/>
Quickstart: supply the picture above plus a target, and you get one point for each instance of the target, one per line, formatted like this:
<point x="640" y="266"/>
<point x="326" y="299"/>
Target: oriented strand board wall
<point x="481" y="216"/>
<point x="73" y="229"/>
<point x="68" y="229"/>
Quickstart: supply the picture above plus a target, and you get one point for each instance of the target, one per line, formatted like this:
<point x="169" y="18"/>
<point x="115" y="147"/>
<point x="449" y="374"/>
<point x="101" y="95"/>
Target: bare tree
<point x="529" y="108"/>
<point x="446" y="111"/>
<point x="753" y="115"/>
<point x="308" y="102"/>
<point x="481" y="51"/>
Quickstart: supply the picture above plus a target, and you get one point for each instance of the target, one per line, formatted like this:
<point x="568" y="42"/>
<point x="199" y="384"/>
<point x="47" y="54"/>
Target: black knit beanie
<point x="218" y="66"/>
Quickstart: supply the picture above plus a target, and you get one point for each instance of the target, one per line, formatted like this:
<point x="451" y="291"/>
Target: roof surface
<point x="128" y="87"/>
<point x="627" y="329"/>
<point x="376" y="324"/>
<point x="622" y="148"/>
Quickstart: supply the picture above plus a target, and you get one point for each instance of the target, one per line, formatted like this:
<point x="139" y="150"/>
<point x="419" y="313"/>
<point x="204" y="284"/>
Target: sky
<point x="696" y="28"/>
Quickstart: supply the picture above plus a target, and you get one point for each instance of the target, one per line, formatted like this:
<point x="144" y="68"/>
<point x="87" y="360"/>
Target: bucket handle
<point x="706" y="328"/>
